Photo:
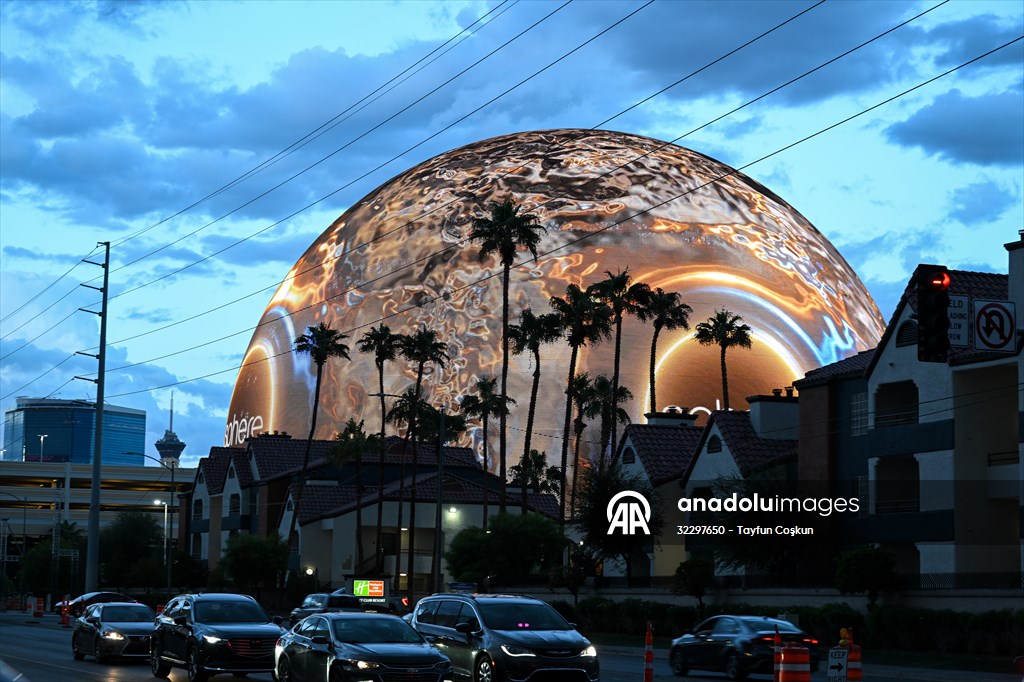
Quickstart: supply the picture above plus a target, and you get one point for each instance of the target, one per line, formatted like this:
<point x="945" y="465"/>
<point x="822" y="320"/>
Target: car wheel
<point x="196" y="672"/>
<point x="97" y="652"/>
<point x="156" y="664"/>
<point x="337" y="674"/>
<point x="284" y="671"/>
<point x="733" y="669"/>
<point x="484" y="670"/>
<point x="677" y="661"/>
<point x="74" y="648"/>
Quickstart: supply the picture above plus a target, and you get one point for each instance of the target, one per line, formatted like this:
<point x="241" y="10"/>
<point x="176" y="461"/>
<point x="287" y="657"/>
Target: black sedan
<point x="78" y="605"/>
<point x="112" y="629"/>
<point x="371" y="647"/>
<point x="736" y="645"/>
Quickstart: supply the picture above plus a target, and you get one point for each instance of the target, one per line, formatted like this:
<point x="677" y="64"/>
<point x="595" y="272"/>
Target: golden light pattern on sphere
<point x="610" y="201"/>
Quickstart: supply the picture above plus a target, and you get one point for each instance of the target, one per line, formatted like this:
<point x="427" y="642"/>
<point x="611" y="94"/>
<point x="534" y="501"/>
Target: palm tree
<point x="505" y="232"/>
<point x="322" y="343"/>
<point x="421" y="348"/>
<point x="351" y="443"/>
<point x="584" y="320"/>
<point x="583" y="398"/>
<point x="401" y="412"/>
<point x="440" y="427"/>
<point x="606" y="403"/>
<point x="482" y="405"/>
<point x="384" y="346"/>
<point x="666" y="311"/>
<point x="531" y="332"/>
<point x="623" y="297"/>
<point x="533" y="473"/>
<point x="722" y="330"/>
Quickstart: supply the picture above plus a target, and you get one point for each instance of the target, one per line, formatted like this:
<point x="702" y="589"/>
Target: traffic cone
<point x="796" y="663"/>
<point x="777" y="666"/>
<point x="854" y="673"/>
<point x="649" y="654"/>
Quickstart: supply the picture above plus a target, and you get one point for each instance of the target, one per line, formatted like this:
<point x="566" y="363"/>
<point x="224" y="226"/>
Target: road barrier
<point x="795" y="665"/>
<point x="65" y="612"/>
<point x="38" y="612"/>
<point x="777" y="656"/>
<point x="649" y="654"/>
<point x="854" y="672"/>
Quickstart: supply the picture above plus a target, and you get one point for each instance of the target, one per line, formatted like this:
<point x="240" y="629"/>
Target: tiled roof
<point x="214" y="468"/>
<point x="848" y="367"/>
<point x="331" y="501"/>
<point x="665" y="451"/>
<point x="751" y="452"/>
<point x="243" y="467"/>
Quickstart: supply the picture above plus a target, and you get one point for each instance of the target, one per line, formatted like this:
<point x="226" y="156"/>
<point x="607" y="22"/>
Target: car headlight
<point x="116" y="636"/>
<point x="589" y="652"/>
<point x="364" y="665"/>
<point x="212" y="639"/>
<point x="516" y="650"/>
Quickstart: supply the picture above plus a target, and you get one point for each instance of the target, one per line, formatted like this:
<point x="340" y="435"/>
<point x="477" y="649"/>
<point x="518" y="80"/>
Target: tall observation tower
<point x="170" y="446"/>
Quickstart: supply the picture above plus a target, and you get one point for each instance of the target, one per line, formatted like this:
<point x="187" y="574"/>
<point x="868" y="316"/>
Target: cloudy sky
<point x="212" y="142"/>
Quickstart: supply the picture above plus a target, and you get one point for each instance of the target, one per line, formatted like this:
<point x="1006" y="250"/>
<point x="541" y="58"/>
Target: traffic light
<point x="932" y="313"/>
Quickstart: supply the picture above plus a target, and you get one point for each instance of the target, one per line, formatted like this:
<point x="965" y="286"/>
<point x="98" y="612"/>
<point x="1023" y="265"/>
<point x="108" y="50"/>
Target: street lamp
<point x="170" y="507"/>
<point x="42" y="439"/>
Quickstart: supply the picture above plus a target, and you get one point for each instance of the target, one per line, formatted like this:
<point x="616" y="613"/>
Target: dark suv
<point x="321" y="602"/>
<point x="213" y="633"/>
<point x="505" y="637"/>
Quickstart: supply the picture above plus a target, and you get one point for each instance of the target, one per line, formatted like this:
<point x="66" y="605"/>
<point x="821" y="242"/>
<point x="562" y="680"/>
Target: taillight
<point x="809" y="640"/>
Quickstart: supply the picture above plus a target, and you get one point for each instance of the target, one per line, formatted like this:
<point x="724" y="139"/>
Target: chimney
<point x="672" y="415"/>
<point x="1016" y="251"/>
<point x="775" y="416"/>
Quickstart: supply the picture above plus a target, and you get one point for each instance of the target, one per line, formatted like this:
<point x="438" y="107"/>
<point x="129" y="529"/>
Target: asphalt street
<point x="39" y="650"/>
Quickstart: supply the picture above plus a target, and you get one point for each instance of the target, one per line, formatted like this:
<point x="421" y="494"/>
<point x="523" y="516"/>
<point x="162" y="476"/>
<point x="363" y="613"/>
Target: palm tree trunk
<point x="565" y="434"/>
<point x="615" y="381"/>
<point x="486" y="471"/>
<point x="725" y="381"/>
<point x="410" y="564"/>
<point x="305" y="457"/>
<point x="359" y="508"/>
<point x="534" y="389"/>
<point x="503" y="413"/>
<point x="380" y="474"/>
<point x="576" y="463"/>
<point x="654" y="359"/>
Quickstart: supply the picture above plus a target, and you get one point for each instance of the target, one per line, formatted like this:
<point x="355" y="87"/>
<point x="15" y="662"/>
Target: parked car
<point x="736" y="645"/>
<point x="322" y="602"/>
<point x="112" y="629"/>
<point x="77" y="606"/>
<point x="213" y="633"/>
<point x="370" y="647"/>
<point x="500" y="637"/>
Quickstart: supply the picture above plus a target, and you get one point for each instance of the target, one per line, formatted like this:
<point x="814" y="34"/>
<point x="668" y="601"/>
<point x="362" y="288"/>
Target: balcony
<point x="1004" y="475"/>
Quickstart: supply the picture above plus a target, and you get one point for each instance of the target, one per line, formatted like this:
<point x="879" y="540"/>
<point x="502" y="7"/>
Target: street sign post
<point x="838" y="657"/>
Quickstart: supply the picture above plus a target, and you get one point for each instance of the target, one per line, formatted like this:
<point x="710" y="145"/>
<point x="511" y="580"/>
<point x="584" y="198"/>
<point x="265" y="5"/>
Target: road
<point x="41" y="652"/>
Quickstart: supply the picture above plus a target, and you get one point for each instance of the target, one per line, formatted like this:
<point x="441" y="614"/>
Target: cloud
<point x="984" y="130"/>
<point x="980" y="202"/>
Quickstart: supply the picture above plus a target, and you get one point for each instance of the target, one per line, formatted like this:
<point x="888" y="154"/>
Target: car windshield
<point x="375" y="631"/>
<point x="229" y="612"/>
<point x="521" y="616"/>
<point x="769" y="624"/>
<point x="128" y="614"/>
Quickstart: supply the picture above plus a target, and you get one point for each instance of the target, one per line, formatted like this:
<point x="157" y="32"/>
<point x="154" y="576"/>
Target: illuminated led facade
<point x="675" y="218"/>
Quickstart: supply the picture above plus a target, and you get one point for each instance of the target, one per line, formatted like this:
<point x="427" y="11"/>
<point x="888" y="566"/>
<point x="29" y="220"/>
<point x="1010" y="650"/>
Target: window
<point x="425" y="612"/>
<point x="234" y="505"/>
<point x="714" y="444"/>
<point x="201" y="478"/>
<point x="726" y="626"/>
<point x="197" y="510"/>
<point x="231" y="472"/>
<point x="628" y="456"/>
<point x="859" y="414"/>
<point x="447" y="612"/>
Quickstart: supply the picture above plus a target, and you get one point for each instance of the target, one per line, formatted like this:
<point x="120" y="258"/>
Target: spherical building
<point x="609" y="202"/>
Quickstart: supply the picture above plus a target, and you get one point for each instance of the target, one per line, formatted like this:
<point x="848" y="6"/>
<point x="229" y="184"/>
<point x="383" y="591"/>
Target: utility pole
<point x="92" y="558"/>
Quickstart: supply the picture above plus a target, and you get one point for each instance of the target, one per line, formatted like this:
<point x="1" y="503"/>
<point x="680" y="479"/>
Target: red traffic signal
<point x="932" y="312"/>
<point x="939" y="280"/>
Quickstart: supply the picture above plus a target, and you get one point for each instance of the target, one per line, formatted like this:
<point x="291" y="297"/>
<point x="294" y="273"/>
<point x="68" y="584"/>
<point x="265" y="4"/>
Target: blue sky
<point x="120" y="121"/>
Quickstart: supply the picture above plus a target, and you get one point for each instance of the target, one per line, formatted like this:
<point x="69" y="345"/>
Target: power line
<point x="616" y="223"/>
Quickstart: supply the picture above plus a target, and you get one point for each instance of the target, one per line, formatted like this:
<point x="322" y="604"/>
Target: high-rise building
<point x="170" y="446"/>
<point x="54" y="430"/>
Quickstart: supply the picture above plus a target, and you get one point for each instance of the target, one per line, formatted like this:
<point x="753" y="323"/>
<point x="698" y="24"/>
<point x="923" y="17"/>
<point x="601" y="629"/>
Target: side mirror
<point x="180" y="620"/>
<point x="464" y="627"/>
<point x="278" y="620"/>
<point x="320" y="640"/>
<point x="93" y="619"/>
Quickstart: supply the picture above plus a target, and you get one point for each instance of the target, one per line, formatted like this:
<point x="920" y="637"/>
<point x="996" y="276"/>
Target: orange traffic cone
<point x="649" y="654"/>
<point x="796" y="663"/>
<point x="854" y="673"/>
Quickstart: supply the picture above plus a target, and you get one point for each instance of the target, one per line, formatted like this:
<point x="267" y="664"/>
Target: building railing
<point x="1005" y="457"/>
